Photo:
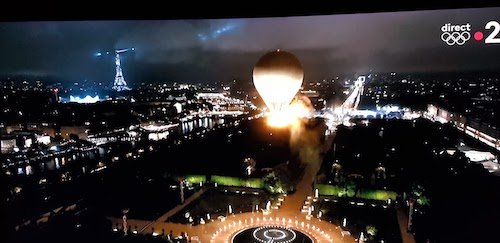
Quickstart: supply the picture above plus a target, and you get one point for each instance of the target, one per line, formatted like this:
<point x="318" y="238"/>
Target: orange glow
<point x="289" y="116"/>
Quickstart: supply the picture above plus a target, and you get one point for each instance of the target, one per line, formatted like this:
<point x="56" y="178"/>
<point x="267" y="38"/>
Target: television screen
<point x="362" y="127"/>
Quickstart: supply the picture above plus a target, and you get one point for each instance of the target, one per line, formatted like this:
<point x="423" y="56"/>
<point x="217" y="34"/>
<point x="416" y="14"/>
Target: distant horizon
<point x="50" y="80"/>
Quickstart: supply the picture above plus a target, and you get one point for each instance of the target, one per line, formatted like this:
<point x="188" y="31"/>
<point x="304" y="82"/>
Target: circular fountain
<point x="271" y="233"/>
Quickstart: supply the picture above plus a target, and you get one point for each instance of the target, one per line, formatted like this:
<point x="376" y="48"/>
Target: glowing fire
<point x="288" y="116"/>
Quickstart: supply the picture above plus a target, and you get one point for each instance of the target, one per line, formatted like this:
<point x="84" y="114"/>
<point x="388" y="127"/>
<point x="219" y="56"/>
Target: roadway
<point x="406" y="236"/>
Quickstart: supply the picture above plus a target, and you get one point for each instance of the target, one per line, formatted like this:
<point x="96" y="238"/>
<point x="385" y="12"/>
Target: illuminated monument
<point x="119" y="84"/>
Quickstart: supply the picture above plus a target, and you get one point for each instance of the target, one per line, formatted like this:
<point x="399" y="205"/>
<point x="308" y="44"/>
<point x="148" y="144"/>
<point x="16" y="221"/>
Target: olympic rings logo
<point x="453" y="38"/>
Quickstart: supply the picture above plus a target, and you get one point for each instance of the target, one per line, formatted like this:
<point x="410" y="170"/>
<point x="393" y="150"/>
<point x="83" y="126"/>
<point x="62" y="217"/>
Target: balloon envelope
<point x="278" y="76"/>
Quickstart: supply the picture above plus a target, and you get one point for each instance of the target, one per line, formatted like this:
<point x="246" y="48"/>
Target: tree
<point x="284" y="175"/>
<point x="371" y="230"/>
<point x="418" y="192"/>
<point x="249" y="165"/>
<point x="273" y="184"/>
<point x="348" y="189"/>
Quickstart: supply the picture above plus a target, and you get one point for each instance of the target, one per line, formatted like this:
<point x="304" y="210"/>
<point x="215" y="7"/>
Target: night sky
<point x="226" y="49"/>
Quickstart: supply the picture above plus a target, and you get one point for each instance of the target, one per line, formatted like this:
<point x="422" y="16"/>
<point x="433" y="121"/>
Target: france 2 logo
<point x="455" y="34"/>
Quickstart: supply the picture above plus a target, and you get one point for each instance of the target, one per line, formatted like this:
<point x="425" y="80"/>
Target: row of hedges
<point x="235" y="181"/>
<point x="323" y="189"/>
<point x="332" y="190"/>
<point x="196" y="179"/>
<point x="381" y="195"/>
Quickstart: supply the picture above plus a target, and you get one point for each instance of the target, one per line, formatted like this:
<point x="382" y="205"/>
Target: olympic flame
<point x="289" y="116"/>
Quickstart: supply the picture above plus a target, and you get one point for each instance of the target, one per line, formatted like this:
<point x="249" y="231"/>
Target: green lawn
<point x="331" y="190"/>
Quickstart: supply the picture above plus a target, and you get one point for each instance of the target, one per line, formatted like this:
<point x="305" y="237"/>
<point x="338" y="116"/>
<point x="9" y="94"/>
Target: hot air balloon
<point x="278" y="76"/>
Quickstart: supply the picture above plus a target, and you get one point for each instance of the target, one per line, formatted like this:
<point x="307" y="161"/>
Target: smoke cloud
<point x="306" y="137"/>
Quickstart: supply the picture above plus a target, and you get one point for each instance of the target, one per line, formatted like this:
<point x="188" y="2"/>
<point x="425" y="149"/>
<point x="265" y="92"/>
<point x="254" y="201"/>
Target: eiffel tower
<point x="119" y="84"/>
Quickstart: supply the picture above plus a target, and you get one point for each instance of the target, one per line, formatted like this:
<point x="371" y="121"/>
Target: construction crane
<point x="119" y="84"/>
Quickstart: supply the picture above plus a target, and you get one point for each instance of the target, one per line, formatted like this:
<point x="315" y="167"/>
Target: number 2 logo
<point x="493" y="37"/>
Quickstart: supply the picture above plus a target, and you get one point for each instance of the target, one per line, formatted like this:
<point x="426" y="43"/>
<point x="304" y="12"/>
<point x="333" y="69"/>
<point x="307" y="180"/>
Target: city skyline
<point x="223" y="49"/>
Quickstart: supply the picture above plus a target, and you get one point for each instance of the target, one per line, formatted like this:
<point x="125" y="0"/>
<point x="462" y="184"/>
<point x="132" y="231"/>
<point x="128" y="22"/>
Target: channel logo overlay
<point x="455" y="34"/>
<point x="459" y="34"/>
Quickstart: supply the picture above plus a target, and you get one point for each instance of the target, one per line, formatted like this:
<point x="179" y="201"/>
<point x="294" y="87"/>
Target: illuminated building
<point x="7" y="143"/>
<point x="222" y="102"/>
<point x="178" y="107"/>
<point x="42" y="139"/>
<point x="86" y="100"/>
